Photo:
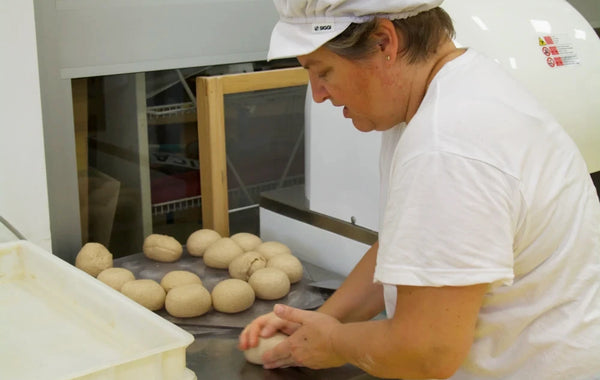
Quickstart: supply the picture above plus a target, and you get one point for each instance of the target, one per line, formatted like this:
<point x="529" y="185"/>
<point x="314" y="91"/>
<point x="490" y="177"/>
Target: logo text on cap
<point x="322" y="28"/>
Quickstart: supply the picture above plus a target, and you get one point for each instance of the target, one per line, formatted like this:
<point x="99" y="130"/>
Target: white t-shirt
<point x="483" y="186"/>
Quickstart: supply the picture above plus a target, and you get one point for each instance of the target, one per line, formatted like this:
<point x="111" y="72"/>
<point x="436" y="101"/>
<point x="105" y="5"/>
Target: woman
<point x="488" y="260"/>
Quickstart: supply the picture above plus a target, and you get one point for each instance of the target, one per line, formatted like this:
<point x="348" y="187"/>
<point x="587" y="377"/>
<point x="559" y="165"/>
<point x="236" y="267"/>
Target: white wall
<point x="23" y="188"/>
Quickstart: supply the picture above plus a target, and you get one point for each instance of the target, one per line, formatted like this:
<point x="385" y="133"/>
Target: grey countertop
<point x="214" y="355"/>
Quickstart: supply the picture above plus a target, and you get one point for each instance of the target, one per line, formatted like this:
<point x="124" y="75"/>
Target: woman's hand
<point x="309" y="346"/>
<point x="264" y="326"/>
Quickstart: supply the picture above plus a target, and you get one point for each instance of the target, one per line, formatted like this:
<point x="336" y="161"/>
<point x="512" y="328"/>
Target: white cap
<point x="305" y="25"/>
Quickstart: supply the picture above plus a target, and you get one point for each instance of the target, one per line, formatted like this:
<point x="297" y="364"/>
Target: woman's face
<point x="365" y="89"/>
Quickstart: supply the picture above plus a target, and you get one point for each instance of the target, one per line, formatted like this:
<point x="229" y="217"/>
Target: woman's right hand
<point x="264" y="326"/>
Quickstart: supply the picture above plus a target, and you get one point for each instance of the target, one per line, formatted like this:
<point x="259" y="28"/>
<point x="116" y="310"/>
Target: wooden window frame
<point x="210" y="93"/>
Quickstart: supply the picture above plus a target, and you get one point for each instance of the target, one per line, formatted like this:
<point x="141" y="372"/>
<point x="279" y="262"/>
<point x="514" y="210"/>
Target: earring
<point x="387" y="58"/>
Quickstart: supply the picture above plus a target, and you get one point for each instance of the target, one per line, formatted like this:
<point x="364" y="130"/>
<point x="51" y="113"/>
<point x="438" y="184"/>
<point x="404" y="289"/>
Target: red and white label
<point x="558" y="50"/>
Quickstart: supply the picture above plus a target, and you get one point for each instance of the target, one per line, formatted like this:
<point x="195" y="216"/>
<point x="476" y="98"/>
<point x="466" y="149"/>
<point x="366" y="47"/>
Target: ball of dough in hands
<point x="162" y="248"/>
<point x="116" y="277"/>
<point x="270" y="283"/>
<point x="242" y="267"/>
<point x="271" y="248"/>
<point x="221" y="253"/>
<point x="232" y="296"/>
<point x="290" y="264"/>
<point x="254" y="354"/>
<point x="93" y="258"/>
<point x="199" y="240"/>
<point x="187" y="301"/>
<point x="246" y="240"/>
<point x="146" y="292"/>
<point x="177" y="278"/>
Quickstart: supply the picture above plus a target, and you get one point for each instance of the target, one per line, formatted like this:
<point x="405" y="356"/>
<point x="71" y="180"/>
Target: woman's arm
<point x="429" y="336"/>
<point x="358" y="298"/>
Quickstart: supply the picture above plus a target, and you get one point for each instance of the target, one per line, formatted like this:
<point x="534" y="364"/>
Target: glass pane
<point x="137" y="153"/>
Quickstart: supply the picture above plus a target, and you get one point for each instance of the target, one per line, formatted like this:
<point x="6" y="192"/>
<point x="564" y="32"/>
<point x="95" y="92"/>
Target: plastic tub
<point x="58" y="322"/>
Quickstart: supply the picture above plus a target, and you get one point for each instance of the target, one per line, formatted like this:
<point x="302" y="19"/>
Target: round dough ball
<point x="289" y="264"/>
<point x="146" y="292"/>
<point x="116" y="277"/>
<point x="221" y="253"/>
<point x="177" y="278"/>
<point x="199" y="240"/>
<point x="162" y="248"/>
<point x="270" y="283"/>
<point x="186" y="301"/>
<point x="271" y="248"/>
<point x="246" y="240"/>
<point x="242" y="267"/>
<point x="254" y="354"/>
<point x="232" y="296"/>
<point x="93" y="258"/>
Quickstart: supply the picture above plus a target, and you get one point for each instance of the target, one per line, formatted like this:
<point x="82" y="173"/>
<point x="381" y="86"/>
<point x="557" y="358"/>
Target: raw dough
<point x="162" y="248"/>
<point x="199" y="240"/>
<point x="186" y="301"/>
<point x="146" y="292"/>
<point x="246" y="240"/>
<point x="221" y="253"/>
<point x="93" y="258"/>
<point x="116" y="277"/>
<point x="242" y="267"/>
<point x="178" y="278"/>
<point x="254" y="354"/>
<point x="270" y="283"/>
<point x="289" y="264"/>
<point x="271" y="248"/>
<point x="232" y="296"/>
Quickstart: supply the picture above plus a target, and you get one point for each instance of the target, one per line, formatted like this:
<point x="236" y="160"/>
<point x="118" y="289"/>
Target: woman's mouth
<point x="346" y="112"/>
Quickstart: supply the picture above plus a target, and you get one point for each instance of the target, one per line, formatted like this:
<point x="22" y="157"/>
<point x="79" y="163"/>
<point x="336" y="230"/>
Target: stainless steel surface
<point x="291" y="202"/>
<point x="214" y="355"/>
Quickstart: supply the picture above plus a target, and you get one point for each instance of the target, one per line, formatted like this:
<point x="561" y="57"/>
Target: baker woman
<point x="488" y="259"/>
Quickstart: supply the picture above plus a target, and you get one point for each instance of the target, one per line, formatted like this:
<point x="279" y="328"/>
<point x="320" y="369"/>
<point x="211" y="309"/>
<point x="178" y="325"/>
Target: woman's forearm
<point x="358" y="298"/>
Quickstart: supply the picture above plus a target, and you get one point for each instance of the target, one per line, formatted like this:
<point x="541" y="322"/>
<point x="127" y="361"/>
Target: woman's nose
<point x="319" y="93"/>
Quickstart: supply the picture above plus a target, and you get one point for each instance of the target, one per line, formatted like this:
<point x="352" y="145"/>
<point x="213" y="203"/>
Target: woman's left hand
<point x="310" y="345"/>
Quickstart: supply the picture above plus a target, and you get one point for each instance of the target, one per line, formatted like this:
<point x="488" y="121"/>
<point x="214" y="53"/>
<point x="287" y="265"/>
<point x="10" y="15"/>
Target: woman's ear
<point x="387" y="39"/>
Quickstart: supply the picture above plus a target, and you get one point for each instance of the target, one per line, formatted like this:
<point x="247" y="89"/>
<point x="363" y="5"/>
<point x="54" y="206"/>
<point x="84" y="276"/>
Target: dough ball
<point x="271" y="248"/>
<point x="116" y="277"/>
<point x="147" y="293"/>
<point x="289" y="264"/>
<point x="232" y="296"/>
<point x="254" y="354"/>
<point x="93" y="258"/>
<point x="270" y="283"/>
<point x="186" y="301"/>
<point x="242" y="267"/>
<point x="199" y="240"/>
<point x="162" y="248"/>
<point x="221" y="253"/>
<point x="177" y="278"/>
<point x="246" y="240"/>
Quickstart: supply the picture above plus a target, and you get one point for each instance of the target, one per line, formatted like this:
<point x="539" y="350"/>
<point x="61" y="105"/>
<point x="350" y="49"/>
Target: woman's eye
<point x="323" y="74"/>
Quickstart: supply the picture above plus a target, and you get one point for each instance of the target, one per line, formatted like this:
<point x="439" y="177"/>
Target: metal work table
<point x="214" y="355"/>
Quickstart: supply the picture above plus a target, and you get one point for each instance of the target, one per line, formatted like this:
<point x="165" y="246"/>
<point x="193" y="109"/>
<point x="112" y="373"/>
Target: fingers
<point x="291" y="313"/>
<point x="249" y="336"/>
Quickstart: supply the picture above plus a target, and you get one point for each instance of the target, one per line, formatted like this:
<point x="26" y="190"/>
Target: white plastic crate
<point x="58" y="322"/>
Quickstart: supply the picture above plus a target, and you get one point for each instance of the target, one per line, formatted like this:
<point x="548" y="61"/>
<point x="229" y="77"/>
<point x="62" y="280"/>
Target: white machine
<point x="546" y="44"/>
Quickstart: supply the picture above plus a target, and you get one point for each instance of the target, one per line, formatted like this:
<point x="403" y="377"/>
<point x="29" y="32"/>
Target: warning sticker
<point x="558" y="50"/>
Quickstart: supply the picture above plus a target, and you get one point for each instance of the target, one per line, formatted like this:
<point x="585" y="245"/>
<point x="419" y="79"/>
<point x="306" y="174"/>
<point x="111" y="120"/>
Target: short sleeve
<point x="448" y="221"/>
